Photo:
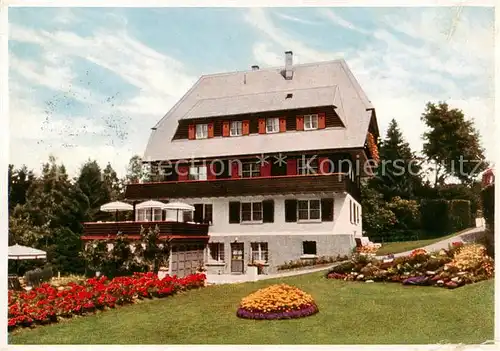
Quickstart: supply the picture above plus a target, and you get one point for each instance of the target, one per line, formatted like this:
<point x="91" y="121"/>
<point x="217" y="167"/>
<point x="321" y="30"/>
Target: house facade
<point x="271" y="160"/>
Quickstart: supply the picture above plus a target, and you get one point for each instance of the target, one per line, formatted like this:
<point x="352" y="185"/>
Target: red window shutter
<point x="291" y="167"/>
<point x="246" y="127"/>
<point x="210" y="130"/>
<point x="210" y="170"/>
<point x="183" y="172"/>
<point x="235" y="169"/>
<point x="324" y="165"/>
<point x="282" y="124"/>
<point x="265" y="169"/>
<point x="321" y="121"/>
<point x="191" y="131"/>
<point x="300" y="122"/>
<point x="262" y="126"/>
<point x="225" y="128"/>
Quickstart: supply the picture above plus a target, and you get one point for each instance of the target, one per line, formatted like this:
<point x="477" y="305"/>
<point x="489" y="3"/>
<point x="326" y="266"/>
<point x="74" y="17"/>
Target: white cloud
<point x="339" y="21"/>
<point x="160" y="79"/>
<point x="401" y="76"/>
<point x="295" y="19"/>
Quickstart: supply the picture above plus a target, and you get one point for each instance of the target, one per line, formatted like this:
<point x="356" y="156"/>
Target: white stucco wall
<point x="341" y="223"/>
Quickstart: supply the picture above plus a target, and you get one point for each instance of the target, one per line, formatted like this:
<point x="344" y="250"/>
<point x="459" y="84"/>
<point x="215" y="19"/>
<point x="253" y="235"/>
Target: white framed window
<point x="146" y="215"/>
<point x="236" y="128"/>
<point x="216" y="252"/>
<point x="259" y="252"/>
<point x="309" y="210"/>
<point x="310" y="122"/>
<point x="307" y="165"/>
<point x="251" y="212"/>
<point x="250" y="170"/>
<point x="201" y="131"/>
<point x="272" y="125"/>
<point x="198" y="173"/>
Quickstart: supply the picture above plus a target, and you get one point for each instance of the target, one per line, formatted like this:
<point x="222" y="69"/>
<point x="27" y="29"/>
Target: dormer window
<point x="272" y="125"/>
<point x="236" y="128"/>
<point x="201" y="131"/>
<point x="310" y="122"/>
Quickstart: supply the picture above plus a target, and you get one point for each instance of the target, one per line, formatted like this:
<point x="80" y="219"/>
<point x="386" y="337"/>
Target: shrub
<point x="460" y="214"/>
<point x="407" y="213"/>
<point x="37" y="276"/>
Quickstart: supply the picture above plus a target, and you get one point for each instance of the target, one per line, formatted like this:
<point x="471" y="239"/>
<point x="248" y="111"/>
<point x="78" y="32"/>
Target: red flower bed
<point x="46" y="304"/>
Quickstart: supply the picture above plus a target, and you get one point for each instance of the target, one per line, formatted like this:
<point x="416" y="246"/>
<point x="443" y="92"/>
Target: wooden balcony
<point x="338" y="182"/>
<point x="100" y="230"/>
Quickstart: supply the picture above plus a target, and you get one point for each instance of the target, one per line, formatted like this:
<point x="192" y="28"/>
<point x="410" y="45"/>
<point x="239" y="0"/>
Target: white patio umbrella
<point x="151" y="204"/>
<point x="116" y="206"/>
<point x="179" y="206"/>
<point x="19" y="252"/>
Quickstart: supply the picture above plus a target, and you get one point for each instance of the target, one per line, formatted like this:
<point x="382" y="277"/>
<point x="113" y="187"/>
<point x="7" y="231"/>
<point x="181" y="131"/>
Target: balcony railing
<point x="167" y="228"/>
<point x="296" y="184"/>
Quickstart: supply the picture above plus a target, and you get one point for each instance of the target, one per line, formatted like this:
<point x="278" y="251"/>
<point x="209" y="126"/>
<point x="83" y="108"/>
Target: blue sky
<point x="91" y="82"/>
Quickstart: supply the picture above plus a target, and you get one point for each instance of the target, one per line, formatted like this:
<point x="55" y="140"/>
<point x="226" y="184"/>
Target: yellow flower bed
<point x="277" y="298"/>
<point x="471" y="257"/>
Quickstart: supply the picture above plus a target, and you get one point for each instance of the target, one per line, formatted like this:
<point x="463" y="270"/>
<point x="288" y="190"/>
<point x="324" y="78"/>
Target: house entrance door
<point x="237" y="254"/>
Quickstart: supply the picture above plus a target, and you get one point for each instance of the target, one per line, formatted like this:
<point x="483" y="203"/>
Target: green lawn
<point x="402" y="246"/>
<point x="350" y="313"/>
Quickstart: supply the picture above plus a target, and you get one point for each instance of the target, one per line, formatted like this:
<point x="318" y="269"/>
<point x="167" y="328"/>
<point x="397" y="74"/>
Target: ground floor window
<point x="309" y="247"/>
<point x="259" y="252"/>
<point x="309" y="210"/>
<point x="216" y="251"/>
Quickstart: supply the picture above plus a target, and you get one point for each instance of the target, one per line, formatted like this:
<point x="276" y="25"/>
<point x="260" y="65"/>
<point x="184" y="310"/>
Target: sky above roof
<point x="89" y="83"/>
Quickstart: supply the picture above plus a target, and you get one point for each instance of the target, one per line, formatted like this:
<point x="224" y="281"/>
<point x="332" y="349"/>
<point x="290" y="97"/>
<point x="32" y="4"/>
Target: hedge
<point x="460" y="215"/>
<point x="435" y="215"/>
<point x="488" y="201"/>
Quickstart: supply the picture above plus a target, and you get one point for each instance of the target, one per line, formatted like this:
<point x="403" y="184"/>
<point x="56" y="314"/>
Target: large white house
<point x="271" y="159"/>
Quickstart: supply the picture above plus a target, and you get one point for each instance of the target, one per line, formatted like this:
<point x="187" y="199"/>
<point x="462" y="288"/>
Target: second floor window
<point x="250" y="170"/>
<point x="201" y="131"/>
<point x="310" y="122"/>
<point x="251" y="212"/>
<point x="198" y="173"/>
<point x="236" y="128"/>
<point x="272" y="125"/>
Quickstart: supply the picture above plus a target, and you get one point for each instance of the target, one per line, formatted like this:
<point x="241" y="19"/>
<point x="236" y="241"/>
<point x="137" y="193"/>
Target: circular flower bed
<point x="278" y="301"/>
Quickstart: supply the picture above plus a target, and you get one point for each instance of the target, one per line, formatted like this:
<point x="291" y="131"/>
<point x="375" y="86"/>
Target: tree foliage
<point x="92" y="184"/>
<point x="398" y="174"/>
<point x="19" y="181"/>
<point x="452" y="144"/>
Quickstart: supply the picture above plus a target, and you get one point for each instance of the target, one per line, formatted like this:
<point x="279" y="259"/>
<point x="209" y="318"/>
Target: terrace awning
<point x="151" y="204"/>
<point x="19" y="252"/>
<point x="178" y="206"/>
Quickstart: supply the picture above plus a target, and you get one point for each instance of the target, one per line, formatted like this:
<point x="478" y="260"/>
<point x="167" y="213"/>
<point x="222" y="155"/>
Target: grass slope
<point x="402" y="246"/>
<point x="350" y="313"/>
